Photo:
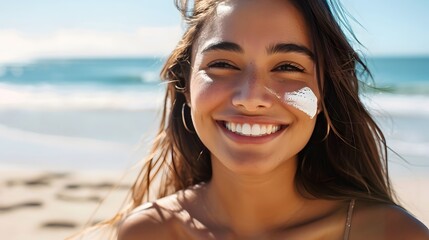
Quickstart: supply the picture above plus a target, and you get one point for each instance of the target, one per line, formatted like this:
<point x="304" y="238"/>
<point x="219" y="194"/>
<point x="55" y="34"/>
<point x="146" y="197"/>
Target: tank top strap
<point x="349" y="219"/>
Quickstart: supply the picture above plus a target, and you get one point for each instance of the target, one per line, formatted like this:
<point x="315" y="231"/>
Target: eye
<point x="222" y="65"/>
<point x="288" y="67"/>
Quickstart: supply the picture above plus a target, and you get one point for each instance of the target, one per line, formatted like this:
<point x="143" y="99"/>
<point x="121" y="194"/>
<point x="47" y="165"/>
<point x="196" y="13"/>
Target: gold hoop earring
<point x="184" y="120"/>
<point x="199" y="156"/>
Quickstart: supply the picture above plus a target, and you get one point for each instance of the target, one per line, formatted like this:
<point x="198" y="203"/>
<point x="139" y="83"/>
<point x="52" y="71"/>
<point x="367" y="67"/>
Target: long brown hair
<point x="345" y="157"/>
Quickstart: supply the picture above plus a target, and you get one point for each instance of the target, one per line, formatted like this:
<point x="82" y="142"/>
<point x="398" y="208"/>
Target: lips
<point x="252" y="129"/>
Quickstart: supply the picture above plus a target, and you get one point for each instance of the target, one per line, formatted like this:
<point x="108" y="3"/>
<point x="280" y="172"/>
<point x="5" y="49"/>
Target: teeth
<point x="233" y="127"/>
<point x="256" y="130"/>
<point x="247" y="129"/>
<point x="237" y="128"/>
<point x="264" y="130"/>
<point x="269" y="128"/>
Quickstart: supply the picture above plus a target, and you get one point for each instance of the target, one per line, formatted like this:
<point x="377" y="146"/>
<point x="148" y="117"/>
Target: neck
<point x="250" y="204"/>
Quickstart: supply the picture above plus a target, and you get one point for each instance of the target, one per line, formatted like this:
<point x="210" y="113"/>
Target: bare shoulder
<point x="152" y="220"/>
<point x="384" y="221"/>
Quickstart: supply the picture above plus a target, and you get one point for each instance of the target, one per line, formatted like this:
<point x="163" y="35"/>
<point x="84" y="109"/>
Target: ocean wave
<point x="397" y="104"/>
<point x="102" y="72"/>
<point x="417" y="87"/>
<point x="48" y="97"/>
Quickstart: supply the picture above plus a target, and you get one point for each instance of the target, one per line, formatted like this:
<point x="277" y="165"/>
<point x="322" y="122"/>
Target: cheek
<point x="201" y="89"/>
<point x="205" y="91"/>
<point x="206" y="96"/>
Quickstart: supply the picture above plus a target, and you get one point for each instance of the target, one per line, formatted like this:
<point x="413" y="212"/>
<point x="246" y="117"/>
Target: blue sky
<point x="50" y="28"/>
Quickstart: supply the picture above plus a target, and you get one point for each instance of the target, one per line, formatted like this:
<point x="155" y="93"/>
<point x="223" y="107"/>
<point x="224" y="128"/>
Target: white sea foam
<point x="62" y="98"/>
<point x="398" y="105"/>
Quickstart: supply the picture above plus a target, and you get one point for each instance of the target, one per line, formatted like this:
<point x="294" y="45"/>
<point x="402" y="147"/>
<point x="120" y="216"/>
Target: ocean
<point x="127" y="84"/>
<point x="101" y="113"/>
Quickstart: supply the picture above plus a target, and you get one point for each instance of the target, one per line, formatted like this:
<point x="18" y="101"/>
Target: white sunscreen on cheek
<point x="303" y="99"/>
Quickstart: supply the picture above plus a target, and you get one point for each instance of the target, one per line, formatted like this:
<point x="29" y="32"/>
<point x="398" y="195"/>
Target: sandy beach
<point x="49" y="205"/>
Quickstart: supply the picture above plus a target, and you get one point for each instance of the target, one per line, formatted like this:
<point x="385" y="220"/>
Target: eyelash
<point x="222" y="65"/>
<point x="290" y="67"/>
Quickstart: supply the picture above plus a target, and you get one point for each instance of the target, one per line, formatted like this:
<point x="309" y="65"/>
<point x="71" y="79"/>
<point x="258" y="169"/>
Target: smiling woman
<point x="240" y="64"/>
<point x="263" y="134"/>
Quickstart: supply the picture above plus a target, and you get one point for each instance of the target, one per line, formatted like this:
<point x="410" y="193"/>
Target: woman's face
<point x="253" y="90"/>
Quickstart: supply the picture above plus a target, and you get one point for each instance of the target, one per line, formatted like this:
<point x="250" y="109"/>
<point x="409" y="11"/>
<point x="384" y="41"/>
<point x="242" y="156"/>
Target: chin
<point x="251" y="164"/>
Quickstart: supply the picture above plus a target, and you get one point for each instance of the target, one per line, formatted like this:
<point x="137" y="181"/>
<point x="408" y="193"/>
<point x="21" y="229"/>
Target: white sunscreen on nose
<point x="303" y="99"/>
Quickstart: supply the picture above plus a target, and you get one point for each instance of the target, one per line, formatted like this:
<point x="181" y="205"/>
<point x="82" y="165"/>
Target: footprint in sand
<point x="58" y="224"/>
<point x="43" y="180"/>
<point x="29" y="204"/>
<point x="76" y="192"/>
<point x="71" y="198"/>
<point x="103" y="185"/>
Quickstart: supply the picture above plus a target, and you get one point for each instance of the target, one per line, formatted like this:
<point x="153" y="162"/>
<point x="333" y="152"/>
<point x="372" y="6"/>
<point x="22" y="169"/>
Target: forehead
<point x="254" y="23"/>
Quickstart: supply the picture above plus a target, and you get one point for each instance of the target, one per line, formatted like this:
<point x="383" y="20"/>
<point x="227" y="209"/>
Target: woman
<point x="263" y="133"/>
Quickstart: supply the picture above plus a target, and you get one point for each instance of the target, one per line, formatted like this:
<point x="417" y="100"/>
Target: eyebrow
<point x="273" y="49"/>
<point x="290" y="47"/>
<point x="225" y="46"/>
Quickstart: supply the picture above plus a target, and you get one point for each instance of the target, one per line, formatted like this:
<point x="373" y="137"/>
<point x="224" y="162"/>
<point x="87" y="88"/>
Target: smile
<point x="255" y="130"/>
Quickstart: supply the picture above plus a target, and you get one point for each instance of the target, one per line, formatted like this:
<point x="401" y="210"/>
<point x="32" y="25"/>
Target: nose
<point x="252" y="94"/>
